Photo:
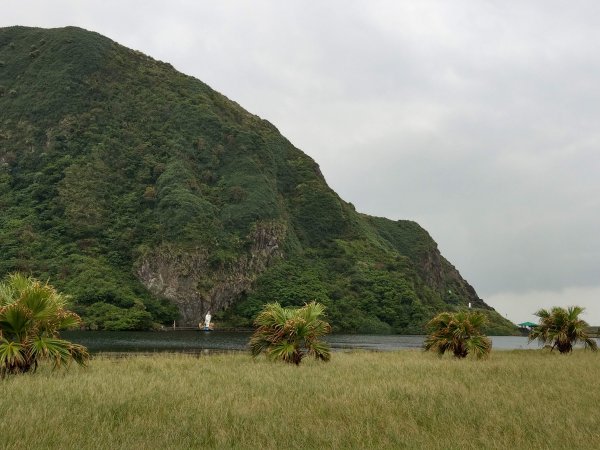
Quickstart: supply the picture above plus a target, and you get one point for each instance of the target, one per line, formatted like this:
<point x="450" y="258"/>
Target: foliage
<point x="106" y="153"/>
<point x="458" y="333"/>
<point x="562" y="328"/>
<point x="290" y="334"/>
<point x="31" y="315"/>
<point x="104" y="316"/>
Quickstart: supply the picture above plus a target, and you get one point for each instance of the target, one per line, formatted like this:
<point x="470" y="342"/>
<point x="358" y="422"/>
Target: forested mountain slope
<point x="149" y="197"/>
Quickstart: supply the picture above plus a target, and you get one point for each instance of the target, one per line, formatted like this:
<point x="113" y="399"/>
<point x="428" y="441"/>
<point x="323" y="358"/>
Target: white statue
<point x="207" y="320"/>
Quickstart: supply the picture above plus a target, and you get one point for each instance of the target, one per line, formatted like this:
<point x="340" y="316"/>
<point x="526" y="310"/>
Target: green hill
<point x="149" y="197"/>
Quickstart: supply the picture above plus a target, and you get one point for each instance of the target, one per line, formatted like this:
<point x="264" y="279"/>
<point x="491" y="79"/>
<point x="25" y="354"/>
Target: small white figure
<point x="207" y="321"/>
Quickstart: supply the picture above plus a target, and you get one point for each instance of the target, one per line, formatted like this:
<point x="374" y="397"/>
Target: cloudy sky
<point x="478" y="119"/>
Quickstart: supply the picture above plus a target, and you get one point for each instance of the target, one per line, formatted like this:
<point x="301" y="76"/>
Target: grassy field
<point x="405" y="399"/>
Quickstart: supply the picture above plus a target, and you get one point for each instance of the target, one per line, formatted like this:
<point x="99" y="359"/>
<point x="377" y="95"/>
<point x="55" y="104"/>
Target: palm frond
<point x="79" y="354"/>
<point x="58" y="351"/>
<point x="67" y="320"/>
<point x="480" y="346"/>
<point x="10" y="352"/>
<point x="15" y="320"/>
<point x="285" y="351"/>
<point x="319" y="349"/>
<point x="7" y="294"/>
<point x="590" y="343"/>
<point x="259" y="343"/>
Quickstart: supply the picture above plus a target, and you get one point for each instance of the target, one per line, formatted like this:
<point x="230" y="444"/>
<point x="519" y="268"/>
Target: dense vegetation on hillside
<point x="149" y="197"/>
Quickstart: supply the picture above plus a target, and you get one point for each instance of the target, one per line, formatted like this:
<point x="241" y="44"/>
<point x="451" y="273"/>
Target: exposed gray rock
<point x="188" y="279"/>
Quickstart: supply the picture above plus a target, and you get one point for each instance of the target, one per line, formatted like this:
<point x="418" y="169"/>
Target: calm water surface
<point x="198" y="341"/>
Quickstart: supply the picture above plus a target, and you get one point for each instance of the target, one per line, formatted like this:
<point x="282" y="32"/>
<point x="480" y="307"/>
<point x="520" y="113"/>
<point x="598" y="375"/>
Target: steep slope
<point x="150" y="197"/>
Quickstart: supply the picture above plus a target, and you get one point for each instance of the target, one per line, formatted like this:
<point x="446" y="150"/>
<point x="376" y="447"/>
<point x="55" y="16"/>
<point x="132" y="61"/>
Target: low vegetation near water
<point x="31" y="315"/>
<point x="459" y="333"/>
<point x="407" y="399"/>
<point x="562" y="328"/>
<point x="291" y="334"/>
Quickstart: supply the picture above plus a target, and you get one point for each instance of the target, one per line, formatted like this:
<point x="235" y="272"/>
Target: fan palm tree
<point x="458" y="333"/>
<point x="562" y="328"/>
<point x="31" y="314"/>
<point x="290" y="334"/>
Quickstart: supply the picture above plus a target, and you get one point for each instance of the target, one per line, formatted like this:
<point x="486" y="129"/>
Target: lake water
<point x="199" y="341"/>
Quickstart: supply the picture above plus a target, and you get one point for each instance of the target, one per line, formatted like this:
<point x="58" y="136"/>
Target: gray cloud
<point x="477" y="119"/>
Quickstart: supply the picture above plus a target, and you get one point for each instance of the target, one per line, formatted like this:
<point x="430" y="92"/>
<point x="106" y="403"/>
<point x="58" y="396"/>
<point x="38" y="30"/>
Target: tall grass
<point x="406" y="399"/>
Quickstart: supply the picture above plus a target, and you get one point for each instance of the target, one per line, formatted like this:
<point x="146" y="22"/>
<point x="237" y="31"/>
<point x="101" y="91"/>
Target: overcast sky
<point x="478" y="119"/>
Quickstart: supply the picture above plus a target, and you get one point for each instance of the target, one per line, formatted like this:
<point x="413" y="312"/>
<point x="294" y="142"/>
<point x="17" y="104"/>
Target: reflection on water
<point x="374" y="342"/>
<point x="197" y="341"/>
<point x="158" y="341"/>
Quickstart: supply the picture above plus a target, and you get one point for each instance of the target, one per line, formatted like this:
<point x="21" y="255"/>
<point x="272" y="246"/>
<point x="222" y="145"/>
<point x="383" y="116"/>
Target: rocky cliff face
<point x="189" y="278"/>
<point x="438" y="272"/>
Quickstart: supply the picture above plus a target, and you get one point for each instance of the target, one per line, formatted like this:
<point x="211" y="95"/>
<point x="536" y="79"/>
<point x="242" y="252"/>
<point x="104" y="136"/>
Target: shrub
<point x="562" y="328"/>
<point x="459" y="333"/>
<point x="31" y="315"/>
<point x="290" y="334"/>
